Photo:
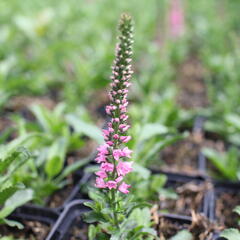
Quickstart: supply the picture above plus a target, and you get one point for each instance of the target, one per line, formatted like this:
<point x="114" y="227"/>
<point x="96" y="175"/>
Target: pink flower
<point x="124" y="127"/>
<point x="125" y="139"/>
<point x="111" y="184"/>
<point x="108" y="167"/>
<point x="124" y="188"/>
<point x="116" y="136"/>
<point x="119" y="179"/>
<point x="105" y="132"/>
<point x="126" y="152"/>
<point x="100" y="159"/>
<point x="103" y="149"/>
<point x="110" y="143"/>
<point x="176" y="19"/>
<point x="101" y="174"/>
<point x="117" y="153"/>
<point x="100" y="183"/>
<point x="124" y="168"/>
<point x="108" y="109"/>
<point x="111" y="130"/>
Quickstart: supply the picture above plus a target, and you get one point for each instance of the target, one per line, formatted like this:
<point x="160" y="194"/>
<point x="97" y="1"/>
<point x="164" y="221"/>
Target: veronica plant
<point x="59" y="134"/>
<point x="12" y="192"/>
<point x="112" y="209"/>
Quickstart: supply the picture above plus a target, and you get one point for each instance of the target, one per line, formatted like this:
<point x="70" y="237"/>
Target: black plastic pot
<point x="49" y="215"/>
<point x="221" y="187"/>
<point x="35" y="213"/>
<point x="70" y="217"/>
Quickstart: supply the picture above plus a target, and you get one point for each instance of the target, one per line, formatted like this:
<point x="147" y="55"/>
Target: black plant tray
<point x="221" y="187"/>
<point x="70" y="217"/>
<point x="49" y="215"/>
<point x="35" y="213"/>
<point x="174" y="179"/>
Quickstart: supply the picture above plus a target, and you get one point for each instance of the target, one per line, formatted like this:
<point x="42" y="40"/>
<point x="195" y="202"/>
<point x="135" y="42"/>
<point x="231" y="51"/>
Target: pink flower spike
<point x="125" y="139"/>
<point x="124" y="188"/>
<point x="108" y="167"/>
<point x="100" y="183"/>
<point x="101" y="174"/>
<point x="111" y="184"/>
<point x="126" y="152"/>
<point x="124" y="168"/>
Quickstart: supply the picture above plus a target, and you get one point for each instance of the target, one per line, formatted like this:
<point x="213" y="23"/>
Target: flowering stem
<point x="115" y="217"/>
<point x="112" y="154"/>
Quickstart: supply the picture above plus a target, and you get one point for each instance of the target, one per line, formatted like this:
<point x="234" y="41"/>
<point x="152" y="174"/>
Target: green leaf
<point x="183" y="234"/>
<point x="56" y="157"/>
<point x="92" y="232"/>
<point x="13" y="223"/>
<point x="87" y="129"/>
<point x="17" y="199"/>
<point x="158" y="181"/>
<point x="141" y="216"/>
<point x="91" y="217"/>
<point x="43" y="116"/>
<point x="19" y="155"/>
<point x="168" y="193"/>
<point x="8" y="192"/>
<point x="160" y="145"/>
<point x="72" y="168"/>
<point x="223" y="162"/>
<point x="142" y="171"/>
<point x="237" y="210"/>
<point x="17" y="159"/>
<point x="231" y="234"/>
<point x="150" y="130"/>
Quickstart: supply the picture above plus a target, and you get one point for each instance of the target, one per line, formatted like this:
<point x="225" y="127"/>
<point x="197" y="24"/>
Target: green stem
<point x="115" y="217"/>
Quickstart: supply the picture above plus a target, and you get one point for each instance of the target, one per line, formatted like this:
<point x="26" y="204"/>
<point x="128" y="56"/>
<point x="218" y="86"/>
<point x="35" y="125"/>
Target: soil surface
<point x="225" y="203"/>
<point x="79" y="232"/>
<point x="190" y="199"/>
<point x="183" y="156"/>
<point x="32" y="231"/>
<point x="59" y="197"/>
<point x="166" y="228"/>
<point x="96" y="106"/>
<point x="192" y="88"/>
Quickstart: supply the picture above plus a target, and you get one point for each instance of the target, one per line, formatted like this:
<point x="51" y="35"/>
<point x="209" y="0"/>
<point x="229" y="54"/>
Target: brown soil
<point x="5" y="122"/>
<point x="79" y="232"/>
<point x="21" y="104"/>
<point x="32" y="231"/>
<point x="192" y="88"/>
<point x="225" y="204"/>
<point x="96" y="106"/>
<point x="200" y="227"/>
<point x="190" y="198"/>
<point x="59" y="197"/>
<point x="183" y="155"/>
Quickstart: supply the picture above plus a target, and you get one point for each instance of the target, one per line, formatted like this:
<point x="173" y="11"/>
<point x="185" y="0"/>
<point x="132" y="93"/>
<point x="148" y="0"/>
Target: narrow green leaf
<point x="87" y="129"/>
<point x="183" y="234"/>
<point x="231" y="234"/>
